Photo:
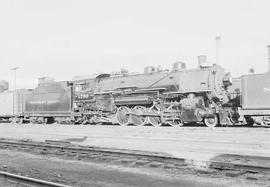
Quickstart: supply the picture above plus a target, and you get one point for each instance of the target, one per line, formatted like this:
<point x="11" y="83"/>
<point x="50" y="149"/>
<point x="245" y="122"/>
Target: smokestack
<point x="268" y="47"/>
<point x="218" y="38"/>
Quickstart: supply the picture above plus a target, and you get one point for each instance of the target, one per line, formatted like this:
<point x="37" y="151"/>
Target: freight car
<point x="12" y="105"/>
<point x="249" y="98"/>
<point x="255" y="100"/>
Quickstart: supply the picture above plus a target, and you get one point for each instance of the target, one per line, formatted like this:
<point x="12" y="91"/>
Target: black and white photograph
<point x="134" y="93"/>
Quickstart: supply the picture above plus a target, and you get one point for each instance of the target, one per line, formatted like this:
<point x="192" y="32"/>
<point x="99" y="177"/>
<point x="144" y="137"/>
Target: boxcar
<point x="256" y="94"/>
<point x="12" y="104"/>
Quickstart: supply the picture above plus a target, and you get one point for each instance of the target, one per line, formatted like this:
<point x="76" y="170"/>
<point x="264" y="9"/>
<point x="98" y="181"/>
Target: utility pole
<point x="15" y="81"/>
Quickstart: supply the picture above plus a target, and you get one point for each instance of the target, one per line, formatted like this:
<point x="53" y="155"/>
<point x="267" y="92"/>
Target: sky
<point x="66" y="38"/>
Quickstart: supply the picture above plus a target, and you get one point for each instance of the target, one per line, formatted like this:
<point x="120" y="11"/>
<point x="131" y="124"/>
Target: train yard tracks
<point x="230" y="165"/>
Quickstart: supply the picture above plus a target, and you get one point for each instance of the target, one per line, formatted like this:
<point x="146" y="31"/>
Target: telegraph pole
<point x="217" y="49"/>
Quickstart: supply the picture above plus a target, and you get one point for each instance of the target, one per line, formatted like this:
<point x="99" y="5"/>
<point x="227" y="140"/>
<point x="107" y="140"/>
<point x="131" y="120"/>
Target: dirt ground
<point x="79" y="173"/>
<point x="198" y="143"/>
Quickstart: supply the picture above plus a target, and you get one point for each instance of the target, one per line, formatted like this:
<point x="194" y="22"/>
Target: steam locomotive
<point x="155" y="97"/>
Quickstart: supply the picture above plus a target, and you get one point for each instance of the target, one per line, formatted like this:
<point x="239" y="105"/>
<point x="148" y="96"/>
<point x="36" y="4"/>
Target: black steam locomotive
<point x="154" y="97"/>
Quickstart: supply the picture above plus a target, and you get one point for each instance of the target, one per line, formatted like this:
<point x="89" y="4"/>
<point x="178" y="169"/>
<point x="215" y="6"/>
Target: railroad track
<point x="134" y="157"/>
<point x="149" y="125"/>
<point x="19" y="180"/>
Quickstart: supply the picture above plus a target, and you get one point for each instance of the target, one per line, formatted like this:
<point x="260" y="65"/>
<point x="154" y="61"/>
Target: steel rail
<point x="28" y="180"/>
<point x="155" y="115"/>
<point x="109" y="153"/>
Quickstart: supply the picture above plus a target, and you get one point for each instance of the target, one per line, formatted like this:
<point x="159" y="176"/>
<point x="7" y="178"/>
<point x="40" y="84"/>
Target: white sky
<point x="64" y="38"/>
